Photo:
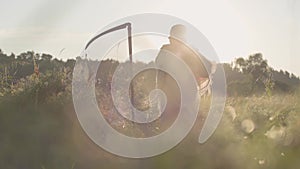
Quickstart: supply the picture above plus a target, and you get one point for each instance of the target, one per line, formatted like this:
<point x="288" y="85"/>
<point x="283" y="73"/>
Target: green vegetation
<point x="39" y="128"/>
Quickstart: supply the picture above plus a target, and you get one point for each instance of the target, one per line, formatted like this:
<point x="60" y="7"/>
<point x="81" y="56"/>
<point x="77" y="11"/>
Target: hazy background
<point x="235" y="28"/>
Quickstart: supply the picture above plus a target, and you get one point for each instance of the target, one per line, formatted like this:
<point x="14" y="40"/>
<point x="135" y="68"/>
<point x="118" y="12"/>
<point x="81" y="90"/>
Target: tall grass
<point x="49" y="136"/>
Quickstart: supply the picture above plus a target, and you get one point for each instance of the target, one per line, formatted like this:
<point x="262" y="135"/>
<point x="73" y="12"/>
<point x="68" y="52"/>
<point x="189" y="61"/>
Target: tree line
<point x="245" y="76"/>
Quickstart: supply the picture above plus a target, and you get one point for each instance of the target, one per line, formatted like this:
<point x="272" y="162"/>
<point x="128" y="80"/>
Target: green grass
<point x="48" y="135"/>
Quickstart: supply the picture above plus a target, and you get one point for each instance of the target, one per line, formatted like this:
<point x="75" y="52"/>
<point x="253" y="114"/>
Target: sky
<point x="234" y="28"/>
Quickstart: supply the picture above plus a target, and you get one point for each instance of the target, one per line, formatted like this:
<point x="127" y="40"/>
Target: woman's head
<point x="178" y="32"/>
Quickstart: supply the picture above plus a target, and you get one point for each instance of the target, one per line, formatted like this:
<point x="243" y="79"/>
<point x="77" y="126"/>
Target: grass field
<point x="255" y="132"/>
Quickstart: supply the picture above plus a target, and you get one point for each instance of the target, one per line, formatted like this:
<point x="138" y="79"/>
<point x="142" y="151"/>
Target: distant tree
<point x="287" y="74"/>
<point x="259" y="70"/>
<point x="241" y="64"/>
<point x="293" y="76"/>
<point x="46" y="57"/>
<point x="70" y="63"/>
<point x="281" y="72"/>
